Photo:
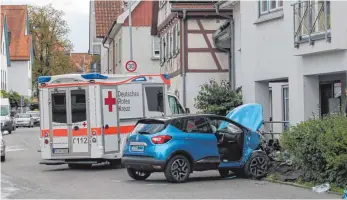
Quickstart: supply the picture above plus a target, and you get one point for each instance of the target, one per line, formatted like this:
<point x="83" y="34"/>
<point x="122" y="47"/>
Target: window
<point x="170" y="44"/>
<point x="167" y="44"/>
<point x="175" y="107"/>
<point x="162" y="59"/>
<point x="223" y="125"/>
<point x="267" y="6"/>
<point x="156" y="47"/>
<point x="198" y="125"/>
<point x="176" y="39"/>
<point x="285" y="91"/>
<point x="78" y="106"/>
<point x="178" y="123"/>
<point x="149" y="127"/>
<point x="311" y="17"/>
<point x="155" y="99"/>
<point x="59" y="108"/>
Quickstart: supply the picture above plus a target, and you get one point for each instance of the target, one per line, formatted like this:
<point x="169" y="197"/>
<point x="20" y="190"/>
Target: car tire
<point x="177" y="169"/>
<point x="138" y="175"/>
<point x="257" y="166"/>
<point x="9" y="131"/>
<point x="3" y="158"/>
<point x="224" y="173"/>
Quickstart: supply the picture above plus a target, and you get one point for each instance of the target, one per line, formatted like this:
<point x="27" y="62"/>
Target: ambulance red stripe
<point x="83" y="131"/>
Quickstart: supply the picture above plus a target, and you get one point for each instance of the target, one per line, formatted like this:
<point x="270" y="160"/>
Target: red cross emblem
<point x="109" y="101"/>
<point x="84" y="124"/>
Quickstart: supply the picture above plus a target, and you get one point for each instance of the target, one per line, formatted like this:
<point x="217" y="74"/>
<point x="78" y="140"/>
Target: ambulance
<point x="85" y="118"/>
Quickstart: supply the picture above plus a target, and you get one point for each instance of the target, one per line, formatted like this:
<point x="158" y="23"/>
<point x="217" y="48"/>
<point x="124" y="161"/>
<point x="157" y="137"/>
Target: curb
<point x="298" y="185"/>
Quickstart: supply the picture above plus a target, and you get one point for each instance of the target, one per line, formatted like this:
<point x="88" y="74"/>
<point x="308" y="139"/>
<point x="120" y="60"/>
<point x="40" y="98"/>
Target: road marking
<point x="157" y="184"/>
<point x="14" y="148"/>
<point x="117" y="181"/>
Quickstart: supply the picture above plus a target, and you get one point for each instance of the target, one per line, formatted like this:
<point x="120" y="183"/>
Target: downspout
<point x="113" y="56"/>
<point x="183" y="58"/>
<point x="108" y="56"/>
<point x="231" y="74"/>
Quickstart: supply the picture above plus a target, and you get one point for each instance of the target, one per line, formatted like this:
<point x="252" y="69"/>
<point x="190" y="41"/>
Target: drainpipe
<point x="231" y="59"/>
<point x="113" y="56"/>
<point x="108" y="57"/>
<point x="183" y="58"/>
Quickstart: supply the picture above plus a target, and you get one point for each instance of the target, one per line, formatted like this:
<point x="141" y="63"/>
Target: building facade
<point x="5" y="61"/>
<point x="296" y="48"/>
<point x="20" y="49"/>
<point x="101" y="16"/>
<point x="145" y="49"/>
<point x="187" y="51"/>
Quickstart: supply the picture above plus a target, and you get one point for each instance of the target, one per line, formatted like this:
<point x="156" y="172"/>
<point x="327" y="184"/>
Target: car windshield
<point x="4" y="110"/>
<point x="35" y="114"/>
<point x="23" y="115"/>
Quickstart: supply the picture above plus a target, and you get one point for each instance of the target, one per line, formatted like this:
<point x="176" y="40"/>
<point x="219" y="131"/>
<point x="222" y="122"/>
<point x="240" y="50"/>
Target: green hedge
<point x="319" y="147"/>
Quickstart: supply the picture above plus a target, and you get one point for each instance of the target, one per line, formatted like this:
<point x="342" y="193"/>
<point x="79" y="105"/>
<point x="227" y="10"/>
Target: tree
<point x="49" y="32"/>
<point x="214" y="98"/>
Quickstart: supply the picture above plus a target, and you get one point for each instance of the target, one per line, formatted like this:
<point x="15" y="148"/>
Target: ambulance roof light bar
<point x="43" y="79"/>
<point x="91" y="76"/>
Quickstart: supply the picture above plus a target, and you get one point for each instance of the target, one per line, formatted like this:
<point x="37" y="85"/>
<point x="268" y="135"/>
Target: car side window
<point x="178" y="123"/>
<point x="175" y="107"/>
<point x="198" y="125"/>
<point x="223" y="125"/>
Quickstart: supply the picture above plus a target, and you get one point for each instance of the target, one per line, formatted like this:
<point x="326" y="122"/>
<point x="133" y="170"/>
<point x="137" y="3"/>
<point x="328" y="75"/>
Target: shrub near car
<point x="178" y="145"/>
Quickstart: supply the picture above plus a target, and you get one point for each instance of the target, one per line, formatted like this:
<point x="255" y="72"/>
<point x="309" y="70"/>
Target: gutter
<point x="108" y="56"/>
<point x="231" y="59"/>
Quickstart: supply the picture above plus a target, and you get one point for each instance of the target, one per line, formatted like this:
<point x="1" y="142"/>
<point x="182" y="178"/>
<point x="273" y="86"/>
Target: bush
<point x="214" y="98"/>
<point x="319" y="147"/>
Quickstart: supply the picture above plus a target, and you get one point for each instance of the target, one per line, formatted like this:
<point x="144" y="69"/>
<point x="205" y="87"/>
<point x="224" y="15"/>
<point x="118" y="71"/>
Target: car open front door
<point x="69" y="122"/>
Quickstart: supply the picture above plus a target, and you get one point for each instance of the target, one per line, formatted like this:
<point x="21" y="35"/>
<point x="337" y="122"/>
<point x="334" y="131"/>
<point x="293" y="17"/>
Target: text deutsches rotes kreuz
<point x="124" y="100"/>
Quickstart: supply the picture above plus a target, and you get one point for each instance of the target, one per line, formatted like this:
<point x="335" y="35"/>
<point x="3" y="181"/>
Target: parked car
<point x="3" y="149"/>
<point x="7" y="118"/>
<point x="36" y="116"/>
<point x="24" y="120"/>
<point x="178" y="145"/>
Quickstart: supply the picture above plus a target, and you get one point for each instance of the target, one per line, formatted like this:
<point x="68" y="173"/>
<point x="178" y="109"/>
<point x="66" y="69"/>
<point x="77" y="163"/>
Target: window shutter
<point x="177" y="50"/>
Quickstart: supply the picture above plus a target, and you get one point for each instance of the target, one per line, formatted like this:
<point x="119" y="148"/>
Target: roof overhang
<point x="117" y="24"/>
<point x="225" y="3"/>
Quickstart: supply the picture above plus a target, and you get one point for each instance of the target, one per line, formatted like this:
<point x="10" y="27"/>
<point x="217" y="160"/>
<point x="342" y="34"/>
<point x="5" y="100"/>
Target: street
<point x="23" y="177"/>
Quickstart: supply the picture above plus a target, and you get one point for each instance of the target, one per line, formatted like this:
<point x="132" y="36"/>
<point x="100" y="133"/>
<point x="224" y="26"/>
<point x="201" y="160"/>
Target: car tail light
<point x="161" y="139"/>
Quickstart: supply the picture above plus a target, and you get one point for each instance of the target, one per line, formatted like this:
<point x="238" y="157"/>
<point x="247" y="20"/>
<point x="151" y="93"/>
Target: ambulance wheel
<point x="115" y="163"/>
<point x="3" y="158"/>
<point x="138" y="175"/>
<point x="79" y="166"/>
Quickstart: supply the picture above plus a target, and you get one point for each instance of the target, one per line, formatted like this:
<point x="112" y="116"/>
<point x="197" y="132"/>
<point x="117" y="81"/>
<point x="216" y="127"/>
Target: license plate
<point x="61" y="151"/>
<point x="137" y="148"/>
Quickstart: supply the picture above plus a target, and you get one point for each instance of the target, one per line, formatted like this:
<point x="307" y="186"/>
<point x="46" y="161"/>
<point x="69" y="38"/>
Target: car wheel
<point x="177" y="169"/>
<point x="3" y="158"/>
<point x="138" y="175"/>
<point x="9" y="131"/>
<point x="257" y="165"/>
<point x="224" y="173"/>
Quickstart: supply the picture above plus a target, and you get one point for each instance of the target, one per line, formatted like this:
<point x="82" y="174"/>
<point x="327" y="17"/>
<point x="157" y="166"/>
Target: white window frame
<point x="154" y="55"/>
<point x="285" y="105"/>
<point x="170" y="53"/>
<point x="268" y="3"/>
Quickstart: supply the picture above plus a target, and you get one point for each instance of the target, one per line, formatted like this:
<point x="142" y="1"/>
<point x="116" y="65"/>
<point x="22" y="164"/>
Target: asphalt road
<point x="23" y="177"/>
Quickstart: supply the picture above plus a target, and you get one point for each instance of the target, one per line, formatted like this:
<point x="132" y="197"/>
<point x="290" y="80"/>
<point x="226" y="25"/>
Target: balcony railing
<point x="311" y="21"/>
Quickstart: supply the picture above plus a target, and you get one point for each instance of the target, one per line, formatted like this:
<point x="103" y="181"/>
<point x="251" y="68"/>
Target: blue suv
<point x="178" y="145"/>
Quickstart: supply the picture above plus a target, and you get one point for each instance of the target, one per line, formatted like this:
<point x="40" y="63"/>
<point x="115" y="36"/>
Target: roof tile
<point x="16" y="16"/>
<point x="106" y="11"/>
<point x="141" y="15"/>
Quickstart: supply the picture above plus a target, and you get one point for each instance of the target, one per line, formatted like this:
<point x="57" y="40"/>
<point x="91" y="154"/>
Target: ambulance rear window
<point x="149" y="127"/>
<point x="155" y="98"/>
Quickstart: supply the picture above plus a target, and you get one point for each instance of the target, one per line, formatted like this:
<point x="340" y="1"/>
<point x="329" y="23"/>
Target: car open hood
<point x="248" y="115"/>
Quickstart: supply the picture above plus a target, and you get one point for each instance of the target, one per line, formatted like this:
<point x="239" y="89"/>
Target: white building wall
<point x="267" y="53"/>
<point x="19" y="78"/>
<point x="3" y="63"/>
<point x="142" y="51"/>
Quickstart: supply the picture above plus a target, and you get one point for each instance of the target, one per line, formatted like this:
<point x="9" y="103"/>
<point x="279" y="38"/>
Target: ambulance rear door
<point x="154" y="101"/>
<point x="69" y="124"/>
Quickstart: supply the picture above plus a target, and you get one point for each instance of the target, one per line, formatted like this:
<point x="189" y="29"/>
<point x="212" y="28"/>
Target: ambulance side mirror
<point x="187" y="110"/>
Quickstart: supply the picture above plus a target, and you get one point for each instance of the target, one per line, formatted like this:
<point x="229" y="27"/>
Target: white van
<point x="85" y="118"/>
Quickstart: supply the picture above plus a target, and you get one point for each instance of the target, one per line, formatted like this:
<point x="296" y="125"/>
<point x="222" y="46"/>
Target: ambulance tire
<point x="116" y="164"/>
<point x="79" y="166"/>
<point x="138" y="175"/>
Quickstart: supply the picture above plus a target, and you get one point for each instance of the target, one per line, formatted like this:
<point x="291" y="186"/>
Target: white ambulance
<point x="86" y="117"/>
